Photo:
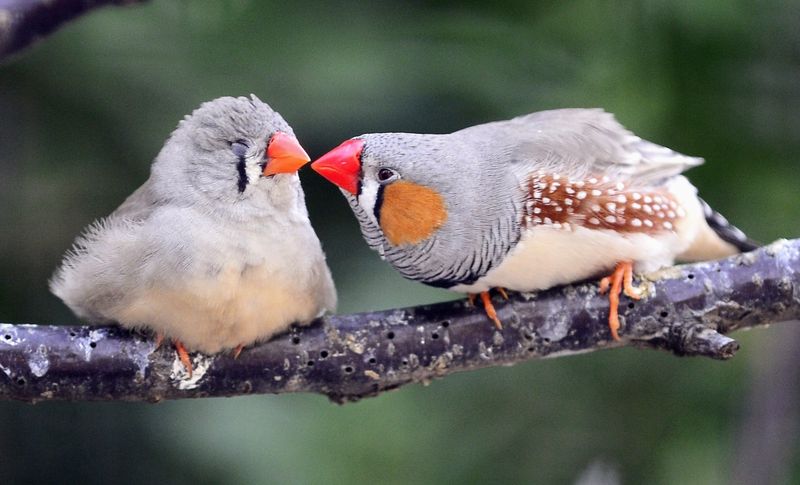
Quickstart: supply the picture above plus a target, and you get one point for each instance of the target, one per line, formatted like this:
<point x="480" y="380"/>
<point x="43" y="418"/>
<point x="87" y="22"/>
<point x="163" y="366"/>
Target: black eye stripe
<point x="239" y="148"/>
<point x="242" y="182"/>
<point x="378" y="203"/>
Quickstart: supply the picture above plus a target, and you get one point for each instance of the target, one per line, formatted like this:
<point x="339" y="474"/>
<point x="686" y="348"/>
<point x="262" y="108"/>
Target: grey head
<point x="433" y="206"/>
<point x="233" y="155"/>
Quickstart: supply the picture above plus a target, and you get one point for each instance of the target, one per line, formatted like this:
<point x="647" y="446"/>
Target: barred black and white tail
<point x="727" y="231"/>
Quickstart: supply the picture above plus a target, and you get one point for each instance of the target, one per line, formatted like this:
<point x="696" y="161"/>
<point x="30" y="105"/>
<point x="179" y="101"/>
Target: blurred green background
<point x="83" y="113"/>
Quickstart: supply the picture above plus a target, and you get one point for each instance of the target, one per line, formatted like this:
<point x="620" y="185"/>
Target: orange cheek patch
<point x="410" y="213"/>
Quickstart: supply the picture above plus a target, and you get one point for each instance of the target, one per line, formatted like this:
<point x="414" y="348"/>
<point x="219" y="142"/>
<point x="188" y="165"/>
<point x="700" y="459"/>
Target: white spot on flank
<point x="661" y="215"/>
<point x="581" y="195"/>
<point x="619" y="186"/>
<point x="569" y="190"/>
<point x="611" y="219"/>
<point x="546" y="200"/>
<point x="567" y="201"/>
<point x="671" y="214"/>
<point x="648" y="223"/>
<point x="537" y="194"/>
<point x="537" y="210"/>
<point x="547" y="220"/>
<point x="556" y="176"/>
<point x="658" y="199"/>
<point x="559" y="209"/>
<point x="647" y="209"/>
<point x="622" y="199"/>
<point x="648" y="199"/>
<point x="667" y="225"/>
<point x="636" y="205"/>
<point x="636" y="222"/>
<point x="592" y="180"/>
<point x="596" y="208"/>
<point x="636" y="196"/>
<point x="611" y="206"/>
<point x="594" y="220"/>
<point x="579" y="184"/>
<point x="596" y="192"/>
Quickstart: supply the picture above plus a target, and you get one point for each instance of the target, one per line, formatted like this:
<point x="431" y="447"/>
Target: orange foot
<point x="620" y="280"/>
<point x="184" y="356"/>
<point x="488" y="307"/>
<point x="237" y="351"/>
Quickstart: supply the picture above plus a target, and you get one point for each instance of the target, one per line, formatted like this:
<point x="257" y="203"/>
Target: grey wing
<point x="590" y="142"/>
<point x="95" y="274"/>
<point x="139" y="205"/>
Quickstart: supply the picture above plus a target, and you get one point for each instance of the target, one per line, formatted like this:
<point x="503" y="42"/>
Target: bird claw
<point x="184" y="356"/>
<point x="502" y="292"/>
<point x="621" y="280"/>
<point x="489" y="309"/>
<point x="237" y="351"/>
<point x="159" y="339"/>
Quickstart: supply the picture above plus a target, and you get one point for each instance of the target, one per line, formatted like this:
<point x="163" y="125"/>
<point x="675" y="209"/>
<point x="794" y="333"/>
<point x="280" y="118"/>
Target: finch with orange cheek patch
<point x="215" y="250"/>
<point x="529" y="203"/>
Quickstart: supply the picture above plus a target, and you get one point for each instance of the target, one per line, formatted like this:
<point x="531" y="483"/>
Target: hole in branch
<point x="390" y="335"/>
<point x="324" y="354"/>
<point x="690" y="276"/>
<point x="445" y="323"/>
<point x="295" y="340"/>
<point x="434" y="335"/>
<point x="372" y="360"/>
<point x="664" y="314"/>
<point x="348" y="370"/>
<point x="93" y="344"/>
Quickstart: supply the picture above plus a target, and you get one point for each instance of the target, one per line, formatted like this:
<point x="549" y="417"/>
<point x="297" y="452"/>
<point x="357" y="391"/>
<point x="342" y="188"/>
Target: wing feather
<point x="583" y="143"/>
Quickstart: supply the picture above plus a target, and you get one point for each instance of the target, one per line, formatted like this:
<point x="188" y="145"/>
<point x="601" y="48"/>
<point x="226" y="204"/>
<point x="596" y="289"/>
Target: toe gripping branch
<point x="618" y="281"/>
<point x="488" y="307"/>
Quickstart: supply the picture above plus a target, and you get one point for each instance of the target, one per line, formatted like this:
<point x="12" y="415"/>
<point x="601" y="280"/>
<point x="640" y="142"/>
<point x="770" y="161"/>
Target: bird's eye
<point x="239" y="148"/>
<point x="387" y="175"/>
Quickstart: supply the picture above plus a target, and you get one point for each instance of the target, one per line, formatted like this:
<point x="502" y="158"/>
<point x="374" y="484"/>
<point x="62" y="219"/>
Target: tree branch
<point x="22" y="22"/>
<point x="686" y="310"/>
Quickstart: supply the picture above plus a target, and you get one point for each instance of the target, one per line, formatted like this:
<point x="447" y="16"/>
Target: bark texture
<point x="685" y="310"/>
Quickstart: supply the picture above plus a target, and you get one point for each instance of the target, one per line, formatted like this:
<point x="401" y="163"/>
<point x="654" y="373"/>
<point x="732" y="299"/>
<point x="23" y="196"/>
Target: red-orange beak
<point x="342" y="165"/>
<point x="284" y="155"/>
